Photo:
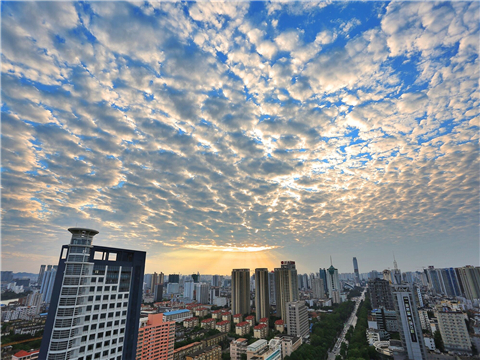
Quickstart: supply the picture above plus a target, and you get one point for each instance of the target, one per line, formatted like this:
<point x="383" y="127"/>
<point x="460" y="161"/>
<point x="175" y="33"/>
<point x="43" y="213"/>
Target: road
<point x="351" y="322"/>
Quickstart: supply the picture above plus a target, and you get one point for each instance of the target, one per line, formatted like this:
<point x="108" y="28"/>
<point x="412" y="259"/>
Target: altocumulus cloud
<point x="237" y="126"/>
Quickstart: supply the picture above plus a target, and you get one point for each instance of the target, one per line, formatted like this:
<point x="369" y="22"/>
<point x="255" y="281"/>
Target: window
<point x="90" y="347"/>
<point x="92" y="288"/>
<point x="94" y="279"/>
<point x="87" y="318"/>
<point x="109" y="324"/>
<point x="105" y="297"/>
<point x="101" y="326"/>
<point x="82" y="349"/>
<point x="90" y="298"/>
<point x="110" y="315"/>
<point x="93" y="326"/>
<point x="95" y="317"/>
<point x="85" y="328"/>
<point x="98" y="297"/>
<point x="117" y="322"/>
<point x="103" y="316"/>
<point x="91" y="337"/>
<point x="104" y="306"/>
<point x="84" y="338"/>
<point x="99" y="336"/>
<point x="112" y="297"/>
<point x="96" y="307"/>
<point x="89" y="307"/>
<point x="99" y="288"/>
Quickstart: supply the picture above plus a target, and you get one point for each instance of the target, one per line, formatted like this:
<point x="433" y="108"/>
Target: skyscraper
<point x="189" y="290"/>
<point x="271" y="287"/>
<point x="333" y="282"/>
<point x="174" y="278"/>
<point x="262" y="294"/>
<point x="95" y="305"/>
<point x="40" y="274"/>
<point x="318" y="289"/>
<point x="355" y="271"/>
<point x="469" y="277"/>
<point x="323" y="276"/>
<point x="202" y="293"/>
<point x="241" y="291"/>
<point x="156" y="338"/>
<point x="286" y="287"/>
<point x="409" y="321"/>
<point x="48" y="281"/>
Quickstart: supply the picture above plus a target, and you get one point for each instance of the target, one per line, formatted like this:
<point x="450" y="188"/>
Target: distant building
<point x="190" y="322"/>
<point x="260" y="331"/>
<point x="318" y="288"/>
<point x="201" y="293"/>
<point x="210" y="353"/>
<point x="333" y="282"/>
<point x="156" y="338"/>
<point x="208" y="323"/>
<point x="271" y="288"/>
<point x="174" y="278"/>
<point x="223" y="326"/>
<point x="26" y="355"/>
<point x="158" y="293"/>
<point x="469" y="277"/>
<point x="177" y="315"/>
<point x="241" y="291"/>
<point x="242" y="328"/>
<point x="297" y="319"/>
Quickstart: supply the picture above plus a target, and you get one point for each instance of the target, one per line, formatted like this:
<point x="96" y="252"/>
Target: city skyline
<point x="242" y="134"/>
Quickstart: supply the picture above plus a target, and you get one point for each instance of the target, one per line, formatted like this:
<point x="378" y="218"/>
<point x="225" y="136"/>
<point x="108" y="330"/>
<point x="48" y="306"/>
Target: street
<point x="351" y="321"/>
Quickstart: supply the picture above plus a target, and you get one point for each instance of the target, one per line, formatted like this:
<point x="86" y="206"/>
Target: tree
<point x="437" y="337"/>
<point x="338" y="357"/>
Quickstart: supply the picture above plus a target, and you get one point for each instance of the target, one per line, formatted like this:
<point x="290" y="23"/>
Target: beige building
<point x="208" y="323"/>
<point x="453" y="329"/>
<point x="242" y="328"/>
<point x="223" y="326"/>
<point x="318" y="288"/>
<point x="289" y="344"/>
<point x="226" y="316"/>
<point x="237" y="318"/>
<point x="256" y="348"/>
<point x="190" y="322"/>
<point x="251" y="320"/>
<point x="237" y="348"/>
<point x="217" y="314"/>
<point x="201" y="311"/>
<point x="260" y="331"/>
<point x="280" y="326"/>
<point x="210" y="353"/>
<point x="424" y="320"/>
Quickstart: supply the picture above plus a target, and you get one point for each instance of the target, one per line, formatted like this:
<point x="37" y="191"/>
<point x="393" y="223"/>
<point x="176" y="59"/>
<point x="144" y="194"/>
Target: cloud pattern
<point x="220" y="126"/>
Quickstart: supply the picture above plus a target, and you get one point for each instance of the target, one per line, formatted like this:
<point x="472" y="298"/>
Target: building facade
<point x="156" y="338"/>
<point x="297" y="319"/>
<point x="262" y="294"/>
<point x="95" y="305"/>
<point x="241" y="291"/>
<point x="286" y="287"/>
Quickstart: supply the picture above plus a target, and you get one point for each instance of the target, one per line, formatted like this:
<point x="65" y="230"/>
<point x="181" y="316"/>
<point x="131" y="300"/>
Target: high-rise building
<point x="40" y="274"/>
<point x="469" y="277"/>
<point x="189" y="290"/>
<point x="216" y="280"/>
<point x="158" y="293"/>
<point x="453" y="329"/>
<point x="7" y="276"/>
<point x="355" y="271"/>
<point x="333" y="282"/>
<point x="196" y="277"/>
<point x="95" y="304"/>
<point x="262" y="294"/>
<point x="174" y="278"/>
<point x="271" y="287"/>
<point x="157" y="279"/>
<point x="241" y="291"/>
<point x="156" y="338"/>
<point x="318" y="289"/>
<point x="323" y="275"/>
<point x="173" y="288"/>
<point x="380" y="294"/>
<point x="297" y="319"/>
<point x="410" y="328"/>
<point x="286" y="287"/>
<point x="48" y="282"/>
<point x="201" y="293"/>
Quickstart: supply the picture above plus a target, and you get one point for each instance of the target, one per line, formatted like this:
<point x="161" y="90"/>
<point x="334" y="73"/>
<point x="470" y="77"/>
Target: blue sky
<point x="221" y="135"/>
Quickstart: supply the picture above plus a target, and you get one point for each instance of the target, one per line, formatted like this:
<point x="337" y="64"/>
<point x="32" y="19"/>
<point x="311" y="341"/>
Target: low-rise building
<point x="280" y="326"/>
<point x="242" y="328"/>
<point x="263" y="321"/>
<point x="237" y="348"/>
<point x="217" y="314"/>
<point x="429" y="342"/>
<point x="237" y="318"/>
<point x="226" y="316"/>
<point x="210" y="353"/>
<point x="177" y="315"/>
<point x="190" y="322"/>
<point x="201" y="311"/>
<point x="289" y="344"/>
<point x="251" y="320"/>
<point x="223" y="326"/>
<point x="26" y="355"/>
<point x="214" y="340"/>
<point x="180" y="353"/>
<point x="208" y="323"/>
<point x="260" y="331"/>
<point x="256" y="347"/>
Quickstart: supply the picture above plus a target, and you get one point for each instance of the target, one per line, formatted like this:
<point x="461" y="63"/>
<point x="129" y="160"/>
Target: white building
<point x="297" y="319"/>
<point x="453" y="329"/>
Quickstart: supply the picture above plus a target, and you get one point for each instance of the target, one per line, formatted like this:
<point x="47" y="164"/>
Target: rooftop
<point x="243" y="323"/>
<point x="176" y="312"/>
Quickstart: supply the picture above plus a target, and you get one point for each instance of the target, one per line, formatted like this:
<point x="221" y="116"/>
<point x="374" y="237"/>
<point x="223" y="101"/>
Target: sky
<point x="229" y="135"/>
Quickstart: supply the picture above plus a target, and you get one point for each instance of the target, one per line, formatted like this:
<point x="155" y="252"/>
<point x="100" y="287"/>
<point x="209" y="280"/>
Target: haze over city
<point x="235" y="135"/>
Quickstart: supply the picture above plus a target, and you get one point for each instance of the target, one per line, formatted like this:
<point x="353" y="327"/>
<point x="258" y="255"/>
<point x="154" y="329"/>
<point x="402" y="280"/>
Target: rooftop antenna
<point x="331" y="264"/>
<point x="394" y="261"/>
